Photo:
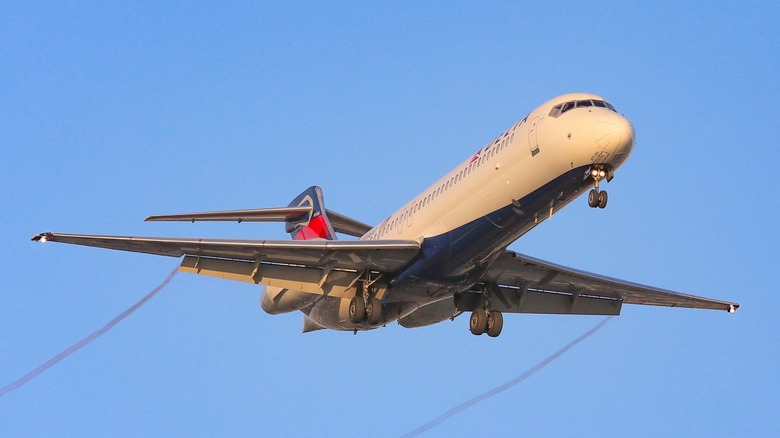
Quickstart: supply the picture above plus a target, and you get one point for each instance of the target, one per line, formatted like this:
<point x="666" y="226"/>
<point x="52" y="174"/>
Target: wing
<point x="315" y="266"/>
<point x="341" y="224"/>
<point x="525" y="284"/>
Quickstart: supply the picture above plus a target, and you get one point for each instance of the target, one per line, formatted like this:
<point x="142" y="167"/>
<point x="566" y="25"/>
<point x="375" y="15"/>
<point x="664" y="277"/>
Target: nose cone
<point x="614" y="134"/>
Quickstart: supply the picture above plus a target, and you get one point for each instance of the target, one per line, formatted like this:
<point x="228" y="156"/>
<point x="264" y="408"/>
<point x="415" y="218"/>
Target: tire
<point x="357" y="310"/>
<point x="374" y="311"/>
<point x="478" y="322"/>
<point x="593" y="198"/>
<point x="603" y="198"/>
<point x="495" y="323"/>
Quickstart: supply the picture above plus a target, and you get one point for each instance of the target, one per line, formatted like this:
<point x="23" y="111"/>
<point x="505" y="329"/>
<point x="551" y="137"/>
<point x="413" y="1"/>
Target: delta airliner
<point x="444" y="252"/>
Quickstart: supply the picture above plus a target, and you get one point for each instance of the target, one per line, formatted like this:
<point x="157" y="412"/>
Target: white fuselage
<point x="507" y="168"/>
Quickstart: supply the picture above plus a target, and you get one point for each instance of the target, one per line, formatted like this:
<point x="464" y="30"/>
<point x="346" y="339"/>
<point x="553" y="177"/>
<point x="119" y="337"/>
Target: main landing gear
<point x="598" y="198"/>
<point x="483" y="321"/>
<point x="360" y="311"/>
<point x="366" y="306"/>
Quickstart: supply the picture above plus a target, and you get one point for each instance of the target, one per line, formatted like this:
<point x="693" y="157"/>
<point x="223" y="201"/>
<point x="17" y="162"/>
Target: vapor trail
<point x="486" y="395"/>
<point x="75" y="347"/>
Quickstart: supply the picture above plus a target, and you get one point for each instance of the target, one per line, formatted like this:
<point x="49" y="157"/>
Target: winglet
<point x="43" y="237"/>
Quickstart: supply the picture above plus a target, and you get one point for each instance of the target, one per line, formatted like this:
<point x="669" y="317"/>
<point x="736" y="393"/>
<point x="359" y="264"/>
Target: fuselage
<point x="514" y="182"/>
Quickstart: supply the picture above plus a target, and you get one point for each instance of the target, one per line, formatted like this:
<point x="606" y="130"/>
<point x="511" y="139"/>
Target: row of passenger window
<point x="562" y="108"/>
<point x="501" y="142"/>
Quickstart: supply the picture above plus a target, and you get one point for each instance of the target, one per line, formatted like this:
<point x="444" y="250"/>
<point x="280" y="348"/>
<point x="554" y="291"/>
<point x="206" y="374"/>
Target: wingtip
<point x="733" y="308"/>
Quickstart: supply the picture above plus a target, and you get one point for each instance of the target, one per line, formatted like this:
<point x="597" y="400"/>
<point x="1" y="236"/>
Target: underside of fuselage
<point x="453" y="262"/>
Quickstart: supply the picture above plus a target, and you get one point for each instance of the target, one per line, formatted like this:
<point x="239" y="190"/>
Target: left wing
<point x="323" y="267"/>
<point x="357" y="255"/>
<point x="523" y="284"/>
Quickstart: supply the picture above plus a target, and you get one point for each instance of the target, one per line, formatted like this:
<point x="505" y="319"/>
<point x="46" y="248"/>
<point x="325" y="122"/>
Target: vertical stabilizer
<point x="316" y="225"/>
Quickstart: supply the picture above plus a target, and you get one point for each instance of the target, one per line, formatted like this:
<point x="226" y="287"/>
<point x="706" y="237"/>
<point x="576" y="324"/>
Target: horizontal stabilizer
<point x="341" y="224"/>
<point x="257" y="215"/>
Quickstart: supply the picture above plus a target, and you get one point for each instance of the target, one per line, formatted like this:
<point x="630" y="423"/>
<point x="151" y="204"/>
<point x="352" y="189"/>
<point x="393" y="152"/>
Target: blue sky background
<point x="110" y="113"/>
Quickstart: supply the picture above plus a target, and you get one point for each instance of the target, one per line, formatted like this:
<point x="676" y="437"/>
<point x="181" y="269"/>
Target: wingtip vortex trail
<point x="503" y="387"/>
<point x="91" y="337"/>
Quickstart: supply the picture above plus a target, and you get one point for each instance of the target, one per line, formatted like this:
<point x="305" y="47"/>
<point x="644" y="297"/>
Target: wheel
<point x="603" y="199"/>
<point x="593" y="198"/>
<point x="495" y="322"/>
<point x="357" y="309"/>
<point x="478" y="322"/>
<point x="374" y="311"/>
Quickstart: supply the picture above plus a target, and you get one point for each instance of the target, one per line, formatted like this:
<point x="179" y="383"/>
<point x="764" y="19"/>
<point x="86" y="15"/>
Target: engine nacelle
<point x="276" y="300"/>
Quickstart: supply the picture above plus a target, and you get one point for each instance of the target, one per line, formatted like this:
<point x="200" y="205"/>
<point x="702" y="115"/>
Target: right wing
<point x="524" y="284"/>
<point x="315" y="266"/>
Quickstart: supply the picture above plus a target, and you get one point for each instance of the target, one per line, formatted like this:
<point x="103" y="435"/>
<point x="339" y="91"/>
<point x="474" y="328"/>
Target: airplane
<point x="444" y="253"/>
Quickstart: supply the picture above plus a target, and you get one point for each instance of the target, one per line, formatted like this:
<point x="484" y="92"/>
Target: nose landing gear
<point x="598" y="198"/>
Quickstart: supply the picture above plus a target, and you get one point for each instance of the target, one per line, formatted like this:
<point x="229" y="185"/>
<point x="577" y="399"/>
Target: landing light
<point x="43" y="239"/>
<point x="602" y="173"/>
<point x="594" y="172"/>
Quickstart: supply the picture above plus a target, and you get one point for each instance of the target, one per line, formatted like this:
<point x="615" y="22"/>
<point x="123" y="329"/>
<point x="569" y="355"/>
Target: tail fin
<point x="314" y="226"/>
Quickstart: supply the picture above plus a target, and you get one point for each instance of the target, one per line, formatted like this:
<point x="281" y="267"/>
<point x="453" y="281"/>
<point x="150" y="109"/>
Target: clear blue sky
<point x="111" y="113"/>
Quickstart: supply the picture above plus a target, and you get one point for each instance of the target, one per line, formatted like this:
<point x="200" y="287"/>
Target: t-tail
<point x="315" y="225"/>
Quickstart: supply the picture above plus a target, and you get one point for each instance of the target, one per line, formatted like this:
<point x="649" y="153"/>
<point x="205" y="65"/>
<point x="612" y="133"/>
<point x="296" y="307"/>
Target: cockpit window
<point x="557" y="110"/>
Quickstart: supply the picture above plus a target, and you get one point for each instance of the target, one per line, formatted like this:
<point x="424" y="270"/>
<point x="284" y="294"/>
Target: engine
<point x="276" y="300"/>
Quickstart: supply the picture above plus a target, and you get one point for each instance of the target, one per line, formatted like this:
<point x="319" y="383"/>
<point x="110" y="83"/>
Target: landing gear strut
<point x="598" y="198"/>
